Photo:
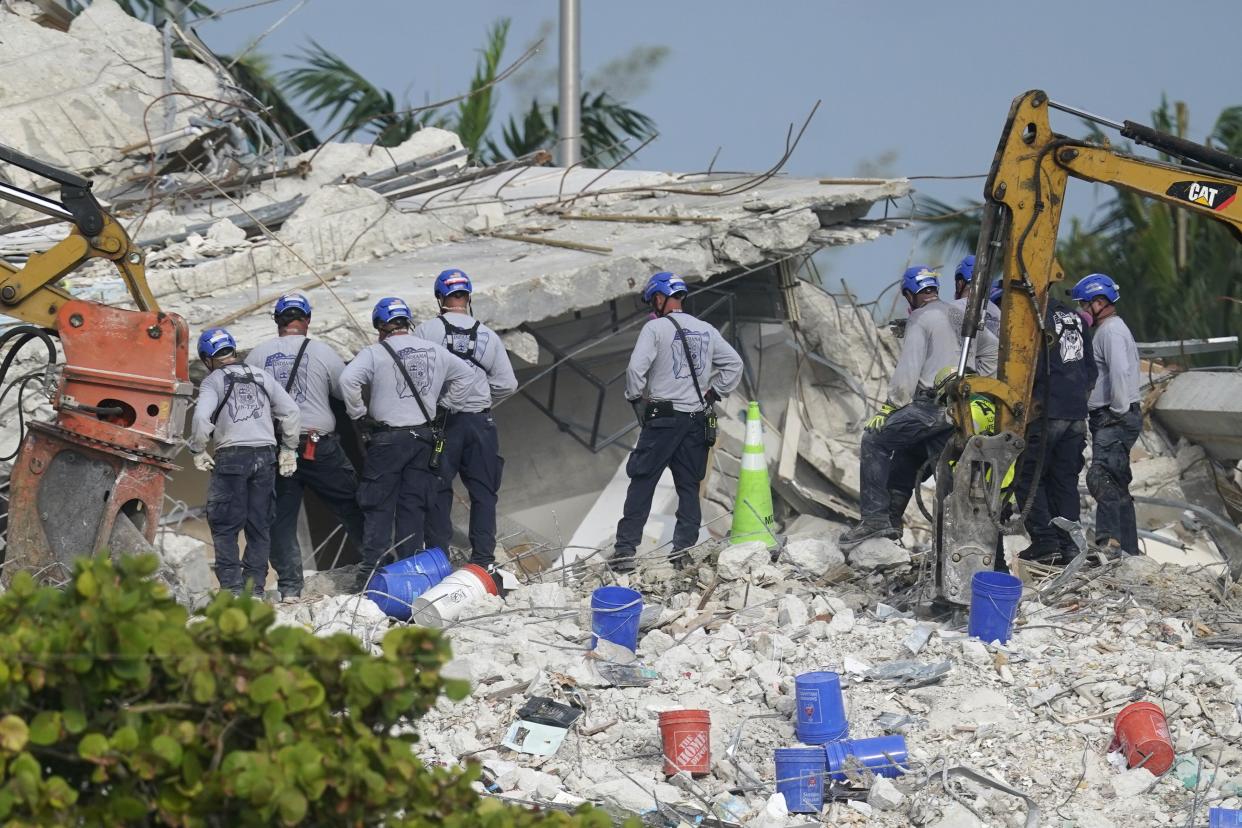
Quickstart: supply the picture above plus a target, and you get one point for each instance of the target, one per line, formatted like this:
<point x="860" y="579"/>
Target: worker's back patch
<point x="1068" y="328"/>
<point x="418" y="363"/>
<point x="697" y="341"/>
<point x="279" y="365"/>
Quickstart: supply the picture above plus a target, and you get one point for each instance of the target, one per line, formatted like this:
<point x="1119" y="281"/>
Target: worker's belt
<point x="422" y="432"/>
<point x="657" y="409"/>
<point x="308" y="442"/>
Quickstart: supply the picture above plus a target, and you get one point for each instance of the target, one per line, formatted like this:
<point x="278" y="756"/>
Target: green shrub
<point x="115" y="711"/>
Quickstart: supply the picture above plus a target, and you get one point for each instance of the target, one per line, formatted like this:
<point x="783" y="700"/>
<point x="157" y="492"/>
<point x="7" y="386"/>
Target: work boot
<point x="897" y="503"/>
<point x="866" y="529"/>
<point x="623" y="560"/>
<point x="1042" y="553"/>
<point x="679" y="559"/>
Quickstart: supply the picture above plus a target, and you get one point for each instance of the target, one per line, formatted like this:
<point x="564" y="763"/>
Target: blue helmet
<point x="289" y="303"/>
<point x="998" y="290"/>
<point x="1097" y="284"/>
<point x="453" y="281"/>
<point x="214" y="341"/>
<point x="965" y="269"/>
<point x="920" y="277"/>
<point x="669" y="284"/>
<point x="389" y="309"/>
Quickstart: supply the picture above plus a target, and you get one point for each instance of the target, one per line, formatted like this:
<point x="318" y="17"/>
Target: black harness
<point x="231" y="379"/>
<point x="452" y="334"/>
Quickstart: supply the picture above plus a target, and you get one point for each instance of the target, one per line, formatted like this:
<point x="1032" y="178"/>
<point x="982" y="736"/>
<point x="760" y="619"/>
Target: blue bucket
<point x="882" y="755"/>
<point x="994" y="598"/>
<point x="821" y="710"/>
<point x="800" y="778"/>
<point x="614" y="616"/>
<point x="1224" y="818"/>
<point x="394" y="587"/>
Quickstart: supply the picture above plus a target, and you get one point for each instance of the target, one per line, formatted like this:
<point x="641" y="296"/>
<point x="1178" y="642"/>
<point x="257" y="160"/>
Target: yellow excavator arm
<point x="93" y="477"/>
<point x="1024" y="195"/>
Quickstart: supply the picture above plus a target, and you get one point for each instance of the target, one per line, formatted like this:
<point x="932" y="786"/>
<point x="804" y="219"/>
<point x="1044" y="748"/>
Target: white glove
<point x="287" y="462"/>
<point x="203" y="462"/>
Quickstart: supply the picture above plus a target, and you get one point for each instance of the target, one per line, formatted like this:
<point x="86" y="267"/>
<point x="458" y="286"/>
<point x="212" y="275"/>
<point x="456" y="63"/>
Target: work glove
<point x="203" y="462"/>
<point x="879" y="418"/>
<point x="287" y="462"/>
<point x="711" y="397"/>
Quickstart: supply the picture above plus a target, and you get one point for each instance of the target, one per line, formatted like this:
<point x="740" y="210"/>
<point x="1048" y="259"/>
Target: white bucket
<point x="446" y="600"/>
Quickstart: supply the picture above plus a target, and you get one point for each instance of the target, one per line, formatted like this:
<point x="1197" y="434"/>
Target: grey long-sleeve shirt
<point x="318" y="378"/>
<point x="493" y="376"/>
<point x="658" y="362"/>
<point x="933" y="341"/>
<point x="985" y="351"/>
<point x="246" y="418"/>
<point x="1116" y="357"/>
<point x="437" y="373"/>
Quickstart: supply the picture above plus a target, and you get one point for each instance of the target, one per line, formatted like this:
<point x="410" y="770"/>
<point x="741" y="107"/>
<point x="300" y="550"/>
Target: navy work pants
<point x="332" y="478"/>
<point x="677" y="442"/>
<point x="242" y="496"/>
<point x="471" y="450"/>
<point x="910" y="435"/>
<point x="1108" y="477"/>
<point x="1061" y="443"/>
<point x="396" y="489"/>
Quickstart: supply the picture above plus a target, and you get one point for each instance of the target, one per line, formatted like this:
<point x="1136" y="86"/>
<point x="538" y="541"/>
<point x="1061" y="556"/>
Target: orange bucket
<point x="687" y="737"/>
<point x="1142" y="733"/>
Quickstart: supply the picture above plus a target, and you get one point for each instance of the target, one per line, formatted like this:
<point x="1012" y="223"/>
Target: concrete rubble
<point x="347" y="223"/>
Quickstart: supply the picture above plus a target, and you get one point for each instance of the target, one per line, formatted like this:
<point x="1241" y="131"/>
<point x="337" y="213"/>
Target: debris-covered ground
<point x="731" y="632"/>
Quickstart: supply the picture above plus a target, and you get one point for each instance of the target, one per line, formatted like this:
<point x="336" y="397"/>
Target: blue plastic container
<point x="394" y="587"/>
<point x="882" y="755"/>
<point x="994" y="600"/>
<point x="1224" y="818"/>
<point x="821" y="709"/>
<point x="614" y="616"/>
<point x="800" y="778"/>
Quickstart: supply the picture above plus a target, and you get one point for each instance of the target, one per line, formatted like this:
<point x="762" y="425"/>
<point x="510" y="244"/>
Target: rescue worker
<point x="471" y="444"/>
<point x="962" y="277"/>
<point x="1114" y="416"/>
<point x="310" y="371"/>
<point x="236" y="405"/>
<point x="911" y="421"/>
<point x="406" y="377"/>
<point x="685" y="366"/>
<point x="1056" y="434"/>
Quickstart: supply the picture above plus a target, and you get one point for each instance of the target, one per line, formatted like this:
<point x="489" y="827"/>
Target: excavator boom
<point x="1024" y="195"/>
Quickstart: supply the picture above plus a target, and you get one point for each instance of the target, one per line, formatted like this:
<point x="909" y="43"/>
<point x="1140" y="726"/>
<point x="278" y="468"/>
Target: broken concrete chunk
<point x="738" y="560"/>
<point x="1131" y="783"/>
<point x="814" y="554"/>
<point x="791" y="612"/>
<point x="656" y="643"/>
<point x="878" y="553"/>
<point x="884" y="795"/>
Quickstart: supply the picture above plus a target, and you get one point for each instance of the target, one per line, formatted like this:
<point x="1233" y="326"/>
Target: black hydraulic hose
<point x="27" y="333"/>
<point x="1180" y="147"/>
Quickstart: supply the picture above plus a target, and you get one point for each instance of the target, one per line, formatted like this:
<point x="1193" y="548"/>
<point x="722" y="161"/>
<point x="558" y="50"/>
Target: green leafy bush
<point x="118" y="712"/>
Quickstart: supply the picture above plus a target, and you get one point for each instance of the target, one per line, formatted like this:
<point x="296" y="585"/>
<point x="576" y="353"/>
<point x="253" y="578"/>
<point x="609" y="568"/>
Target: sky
<point x="927" y="84"/>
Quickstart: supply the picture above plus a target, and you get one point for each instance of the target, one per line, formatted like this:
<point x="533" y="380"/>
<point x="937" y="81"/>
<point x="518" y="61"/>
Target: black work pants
<point x="1061" y="444"/>
<point x="1108" y="477"/>
<point x="242" y="497"/>
<point x="332" y="478"/>
<point x="397" y="486"/>
<point x="910" y="435"/>
<point x="471" y="451"/>
<point x="677" y="443"/>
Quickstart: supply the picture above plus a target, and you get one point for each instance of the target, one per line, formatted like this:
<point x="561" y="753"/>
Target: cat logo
<point x="1210" y="194"/>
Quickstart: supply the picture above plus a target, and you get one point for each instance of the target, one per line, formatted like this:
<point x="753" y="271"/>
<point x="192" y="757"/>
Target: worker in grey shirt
<point x="236" y="405"/>
<point x="471" y="445"/>
<point x="911" y="426"/>
<point x="407" y="376"/>
<point x="310" y="371"/>
<point x="685" y="366"/>
<point x="1113" y="415"/>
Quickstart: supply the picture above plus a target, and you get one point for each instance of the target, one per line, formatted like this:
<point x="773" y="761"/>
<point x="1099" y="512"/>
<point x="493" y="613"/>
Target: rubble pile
<point x="729" y="635"/>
